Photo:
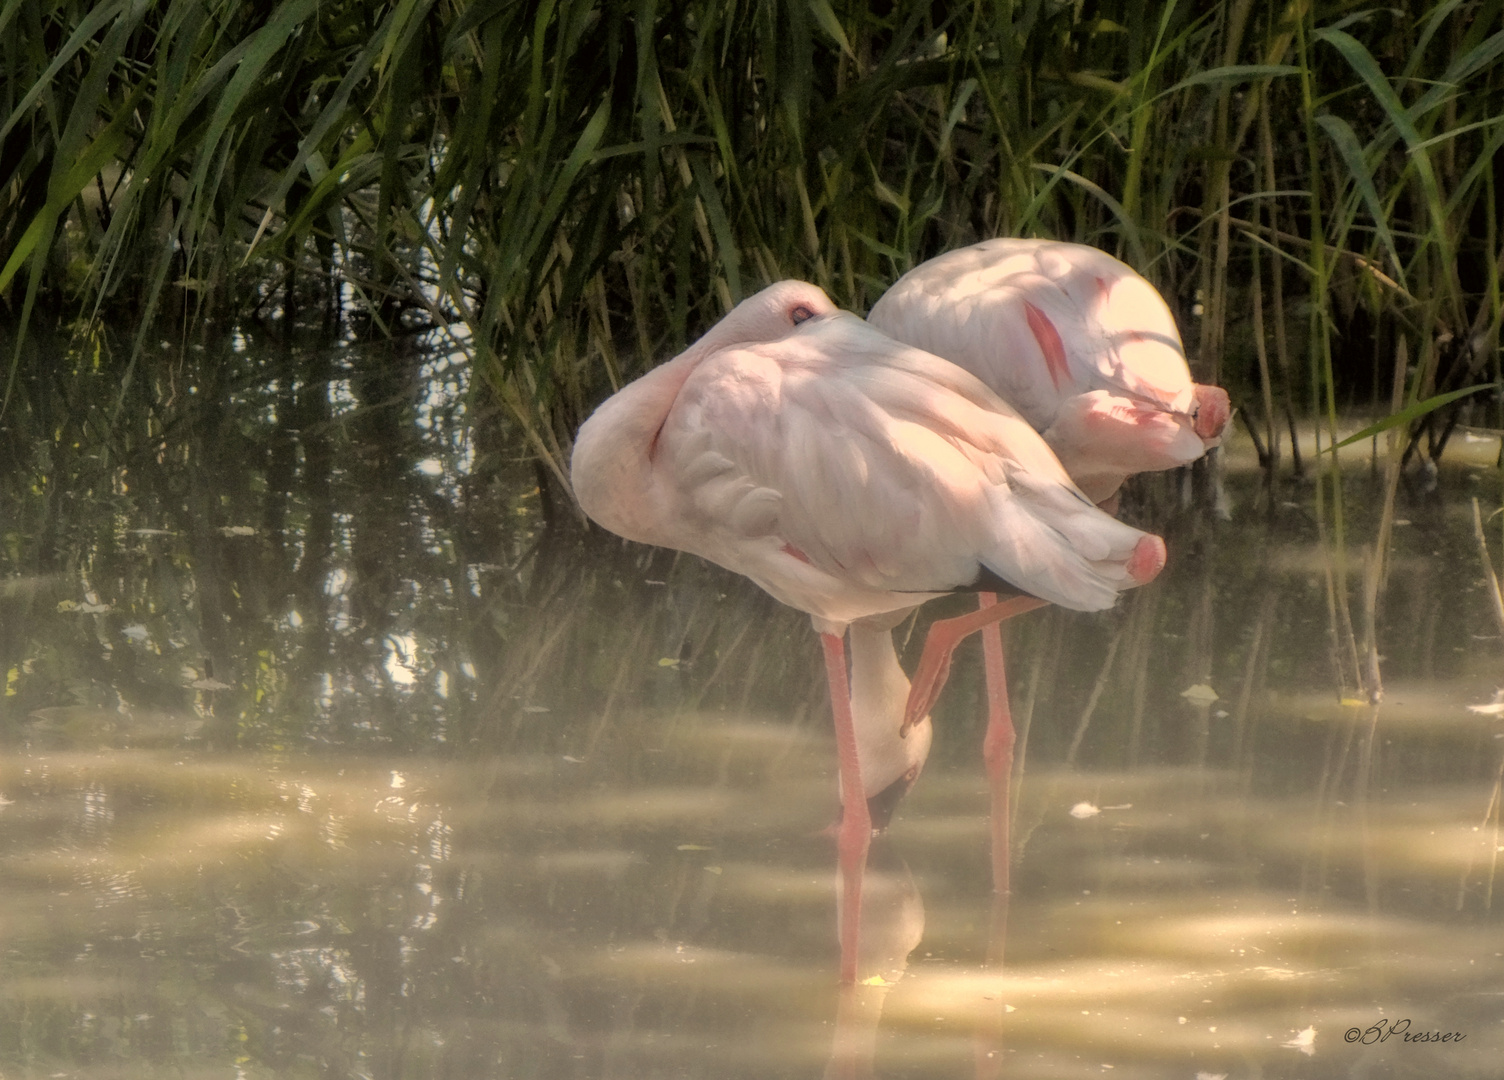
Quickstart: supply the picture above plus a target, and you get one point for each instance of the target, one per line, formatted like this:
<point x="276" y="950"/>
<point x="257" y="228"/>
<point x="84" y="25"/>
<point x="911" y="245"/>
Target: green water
<point x="323" y="755"/>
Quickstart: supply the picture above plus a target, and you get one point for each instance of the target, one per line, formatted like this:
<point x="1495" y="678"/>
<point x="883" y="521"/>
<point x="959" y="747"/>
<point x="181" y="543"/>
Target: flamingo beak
<point x="882" y="805"/>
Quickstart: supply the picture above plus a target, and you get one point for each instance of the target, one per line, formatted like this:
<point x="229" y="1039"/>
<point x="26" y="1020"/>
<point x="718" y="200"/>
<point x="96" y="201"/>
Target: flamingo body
<point x="847" y="474"/>
<point x="1084" y="348"/>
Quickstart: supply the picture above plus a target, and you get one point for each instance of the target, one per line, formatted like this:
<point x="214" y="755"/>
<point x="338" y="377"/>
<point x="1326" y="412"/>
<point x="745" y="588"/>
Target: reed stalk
<point x="568" y="191"/>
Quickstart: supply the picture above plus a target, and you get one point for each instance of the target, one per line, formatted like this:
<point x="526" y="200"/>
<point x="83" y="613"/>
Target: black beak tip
<point x="882" y="805"/>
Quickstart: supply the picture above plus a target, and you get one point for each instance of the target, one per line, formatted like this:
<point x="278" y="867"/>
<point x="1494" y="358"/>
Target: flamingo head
<point x="891" y="758"/>
<point x="769" y="315"/>
<point x="914" y="749"/>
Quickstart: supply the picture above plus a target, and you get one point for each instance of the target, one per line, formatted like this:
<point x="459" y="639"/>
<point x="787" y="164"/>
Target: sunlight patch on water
<point x="401" y="659"/>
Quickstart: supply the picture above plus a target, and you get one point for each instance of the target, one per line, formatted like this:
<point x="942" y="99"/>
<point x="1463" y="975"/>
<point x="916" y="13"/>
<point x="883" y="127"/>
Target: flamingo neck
<point x="612" y="464"/>
<point x="879" y="691"/>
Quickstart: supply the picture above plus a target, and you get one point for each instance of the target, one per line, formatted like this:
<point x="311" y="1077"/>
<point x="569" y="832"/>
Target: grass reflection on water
<point x="440" y="794"/>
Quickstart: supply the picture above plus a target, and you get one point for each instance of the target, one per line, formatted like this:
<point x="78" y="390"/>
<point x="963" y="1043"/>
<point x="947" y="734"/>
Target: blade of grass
<point x="1411" y="413"/>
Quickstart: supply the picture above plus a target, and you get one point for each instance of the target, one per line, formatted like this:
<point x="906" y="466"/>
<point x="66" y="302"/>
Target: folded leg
<point x="944" y="636"/>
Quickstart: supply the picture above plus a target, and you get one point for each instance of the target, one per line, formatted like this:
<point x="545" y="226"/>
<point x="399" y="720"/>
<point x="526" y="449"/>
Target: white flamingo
<point x="853" y="478"/>
<point x="1087" y="351"/>
<point x="1084" y="348"/>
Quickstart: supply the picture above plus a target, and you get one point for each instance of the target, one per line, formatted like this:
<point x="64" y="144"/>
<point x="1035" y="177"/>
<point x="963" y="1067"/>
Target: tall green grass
<point x="572" y="189"/>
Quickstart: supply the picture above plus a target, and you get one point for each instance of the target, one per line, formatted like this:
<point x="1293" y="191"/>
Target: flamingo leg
<point x="997" y="745"/>
<point x="944" y="636"/>
<point x="997" y="752"/>
<point x="854" y="836"/>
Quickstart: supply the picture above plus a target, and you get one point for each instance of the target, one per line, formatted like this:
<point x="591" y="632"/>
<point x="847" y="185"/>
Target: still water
<point x="324" y="754"/>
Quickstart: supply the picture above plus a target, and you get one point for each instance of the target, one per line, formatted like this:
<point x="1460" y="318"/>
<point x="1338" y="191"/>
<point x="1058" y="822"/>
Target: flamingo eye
<point x="799" y="313"/>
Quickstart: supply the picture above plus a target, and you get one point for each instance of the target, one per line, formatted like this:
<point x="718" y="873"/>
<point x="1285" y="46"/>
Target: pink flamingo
<point x="1087" y="351"/>
<point x="1084" y="348"/>
<point x="853" y="478"/>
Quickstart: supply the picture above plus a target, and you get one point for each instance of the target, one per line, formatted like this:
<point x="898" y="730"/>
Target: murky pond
<point x="324" y="754"/>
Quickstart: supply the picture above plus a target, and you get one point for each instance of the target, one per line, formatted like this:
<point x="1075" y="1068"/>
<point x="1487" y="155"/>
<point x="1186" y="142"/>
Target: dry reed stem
<point x="1496" y="600"/>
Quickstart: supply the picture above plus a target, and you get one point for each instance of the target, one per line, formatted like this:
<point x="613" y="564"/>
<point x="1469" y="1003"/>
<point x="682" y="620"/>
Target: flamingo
<point x="853" y="478"/>
<point x="1088" y="353"/>
<point x="1083" y="347"/>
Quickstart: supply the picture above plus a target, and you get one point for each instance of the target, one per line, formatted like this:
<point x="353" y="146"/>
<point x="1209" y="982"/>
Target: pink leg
<point x="997" y="752"/>
<point x="854" y="836"/>
<point x="1143" y="564"/>
<point x="944" y="636"/>
<point x="997" y="746"/>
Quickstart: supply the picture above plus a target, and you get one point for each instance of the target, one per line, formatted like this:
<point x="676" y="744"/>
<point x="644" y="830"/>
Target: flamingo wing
<point x="1041" y="321"/>
<point x="849" y="474"/>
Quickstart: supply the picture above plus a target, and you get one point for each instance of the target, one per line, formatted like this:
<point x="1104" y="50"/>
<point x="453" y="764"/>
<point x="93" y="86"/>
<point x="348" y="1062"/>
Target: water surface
<point x="331" y="749"/>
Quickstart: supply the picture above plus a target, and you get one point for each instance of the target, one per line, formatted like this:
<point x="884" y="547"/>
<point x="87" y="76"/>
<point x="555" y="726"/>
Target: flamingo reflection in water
<point x="853" y="478"/>
<point x="892" y="927"/>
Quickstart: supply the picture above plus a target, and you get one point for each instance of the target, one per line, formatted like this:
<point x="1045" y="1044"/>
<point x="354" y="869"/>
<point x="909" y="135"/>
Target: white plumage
<point x="1082" y="346"/>
<point x="847" y="474"/>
